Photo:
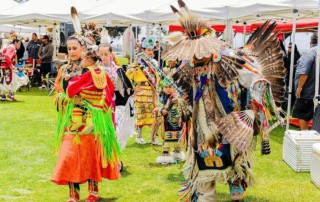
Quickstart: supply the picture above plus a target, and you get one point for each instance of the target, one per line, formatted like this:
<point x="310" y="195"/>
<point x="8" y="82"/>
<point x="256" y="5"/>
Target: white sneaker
<point x="156" y="142"/>
<point x="178" y="155"/>
<point x="3" y="98"/>
<point x="43" y="87"/>
<point x="140" y="140"/>
<point x="135" y="132"/>
<point x="166" y="160"/>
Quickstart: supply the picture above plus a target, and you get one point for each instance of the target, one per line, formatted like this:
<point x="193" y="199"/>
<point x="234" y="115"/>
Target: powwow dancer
<point x="123" y="90"/>
<point x="85" y="139"/>
<point x="9" y="80"/>
<point x="174" y="120"/>
<point x="222" y="137"/>
<point x="144" y="78"/>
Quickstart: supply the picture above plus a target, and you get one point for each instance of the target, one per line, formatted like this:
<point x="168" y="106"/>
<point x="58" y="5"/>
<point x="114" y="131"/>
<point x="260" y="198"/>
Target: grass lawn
<point x="27" y="131"/>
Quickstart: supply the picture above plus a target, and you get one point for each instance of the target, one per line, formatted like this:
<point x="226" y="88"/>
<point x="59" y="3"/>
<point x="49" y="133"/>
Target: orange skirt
<point x="80" y="162"/>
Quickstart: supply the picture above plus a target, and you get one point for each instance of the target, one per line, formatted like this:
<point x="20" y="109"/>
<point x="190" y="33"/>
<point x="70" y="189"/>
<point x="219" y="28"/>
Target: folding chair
<point x="51" y="85"/>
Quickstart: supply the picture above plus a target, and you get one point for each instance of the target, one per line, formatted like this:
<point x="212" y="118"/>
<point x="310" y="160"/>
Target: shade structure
<point x="17" y="29"/>
<point x="32" y="20"/>
<point x="178" y="28"/>
<point x="114" y="19"/>
<point x="283" y="26"/>
<point x="158" y="11"/>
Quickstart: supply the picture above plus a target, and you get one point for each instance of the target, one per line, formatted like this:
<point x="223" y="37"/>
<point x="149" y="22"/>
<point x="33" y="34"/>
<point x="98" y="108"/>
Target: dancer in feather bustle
<point x="85" y="139"/>
<point x="222" y="140"/>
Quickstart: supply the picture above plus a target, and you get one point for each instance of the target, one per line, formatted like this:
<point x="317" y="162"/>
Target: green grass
<point x="123" y="61"/>
<point x="27" y="161"/>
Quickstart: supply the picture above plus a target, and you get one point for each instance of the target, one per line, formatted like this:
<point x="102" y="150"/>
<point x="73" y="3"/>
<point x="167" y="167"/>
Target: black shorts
<point x="303" y="109"/>
<point x="45" y="68"/>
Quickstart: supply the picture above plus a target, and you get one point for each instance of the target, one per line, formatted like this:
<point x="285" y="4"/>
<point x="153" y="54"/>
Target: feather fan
<point x="237" y="128"/>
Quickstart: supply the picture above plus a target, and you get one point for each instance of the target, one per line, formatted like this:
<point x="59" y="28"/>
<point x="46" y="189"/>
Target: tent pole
<point x="244" y="33"/>
<point x="148" y="31"/>
<point x="317" y="62"/>
<point x="295" y="14"/>
<point x="227" y="32"/>
<point x="54" y="40"/>
<point x="136" y="34"/>
<point x="159" y="51"/>
<point x="130" y="46"/>
<point x="148" y="27"/>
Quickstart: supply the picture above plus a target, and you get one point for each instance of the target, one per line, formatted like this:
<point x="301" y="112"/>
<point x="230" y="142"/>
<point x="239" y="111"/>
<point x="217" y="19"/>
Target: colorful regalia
<point x="9" y="80"/>
<point x="85" y="138"/>
<point x="174" y="124"/>
<point x="222" y="140"/>
<point x="144" y="78"/>
<point x="123" y="90"/>
<point x="87" y="97"/>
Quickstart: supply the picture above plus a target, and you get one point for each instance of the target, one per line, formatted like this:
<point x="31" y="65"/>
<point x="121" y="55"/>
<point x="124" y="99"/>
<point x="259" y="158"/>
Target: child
<point x="173" y="124"/>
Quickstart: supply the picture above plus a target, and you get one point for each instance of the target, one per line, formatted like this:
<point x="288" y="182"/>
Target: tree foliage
<point x="116" y="32"/>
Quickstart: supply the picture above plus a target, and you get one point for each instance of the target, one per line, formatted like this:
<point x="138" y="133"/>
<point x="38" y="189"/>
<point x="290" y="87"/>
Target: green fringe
<point x="76" y="139"/>
<point x="105" y="133"/>
<point x="64" y="120"/>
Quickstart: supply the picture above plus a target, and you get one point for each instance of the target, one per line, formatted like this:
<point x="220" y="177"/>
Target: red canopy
<point x="281" y="25"/>
<point x="178" y="28"/>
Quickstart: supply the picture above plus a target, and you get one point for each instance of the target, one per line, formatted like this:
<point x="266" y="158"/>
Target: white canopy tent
<point x="7" y="6"/>
<point x="114" y="19"/>
<point x="159" y="11"/>
<point x="32" y="20"/>
<point x="18" y="29"/>
<point x="50" y="7"/>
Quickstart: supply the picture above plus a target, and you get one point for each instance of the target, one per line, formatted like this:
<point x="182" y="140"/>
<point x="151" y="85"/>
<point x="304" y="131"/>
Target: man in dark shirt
<point x="156" y="51"/>
<point x="45" y="55"/>
<point x="305" y="85"/>
<point x="33" y="47"/>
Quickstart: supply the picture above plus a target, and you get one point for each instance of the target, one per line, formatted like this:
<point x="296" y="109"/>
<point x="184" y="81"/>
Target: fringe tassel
<point x="76" y="139"/>
<point x="65" y="108"/>
<point x="105" y="133"/>
<point x="185" y="192"/>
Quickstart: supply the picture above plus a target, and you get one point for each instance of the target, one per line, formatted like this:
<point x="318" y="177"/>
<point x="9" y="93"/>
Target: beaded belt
<point x="144" y="83"/>
<point x="199" y="70"/>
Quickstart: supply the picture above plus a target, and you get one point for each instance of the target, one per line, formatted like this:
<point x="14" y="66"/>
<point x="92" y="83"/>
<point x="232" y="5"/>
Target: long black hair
<point x="21" y="50"/>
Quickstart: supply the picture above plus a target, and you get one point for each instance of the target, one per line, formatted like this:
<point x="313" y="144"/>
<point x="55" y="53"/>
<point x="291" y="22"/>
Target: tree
<point x="21" y="1"/>
<point x="116" y="32"/>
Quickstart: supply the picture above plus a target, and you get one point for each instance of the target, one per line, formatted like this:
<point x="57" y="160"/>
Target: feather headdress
<point x="84" y="38"/>
<point x="104" y="36"/>
<point x="237" y="128"/>
<point x="199" y="41"/>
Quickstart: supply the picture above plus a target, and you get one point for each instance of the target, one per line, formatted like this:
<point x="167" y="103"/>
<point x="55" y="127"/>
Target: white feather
<point x="175" y="37"/>
<point x="105" y="38"/>
<point x="75" y="20"/>
<point x="128" y="43"/>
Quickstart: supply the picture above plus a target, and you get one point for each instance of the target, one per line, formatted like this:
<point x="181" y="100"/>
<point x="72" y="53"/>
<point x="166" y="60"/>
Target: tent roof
<point x="17" y="29"/>
<point x="114" y="19"/>
<point x="284" y="26"/>
<point x="8" y="5"/>
<point x="32" y="20"/>
<point x="177" y="27"/>
<point x="135" y="12"/>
